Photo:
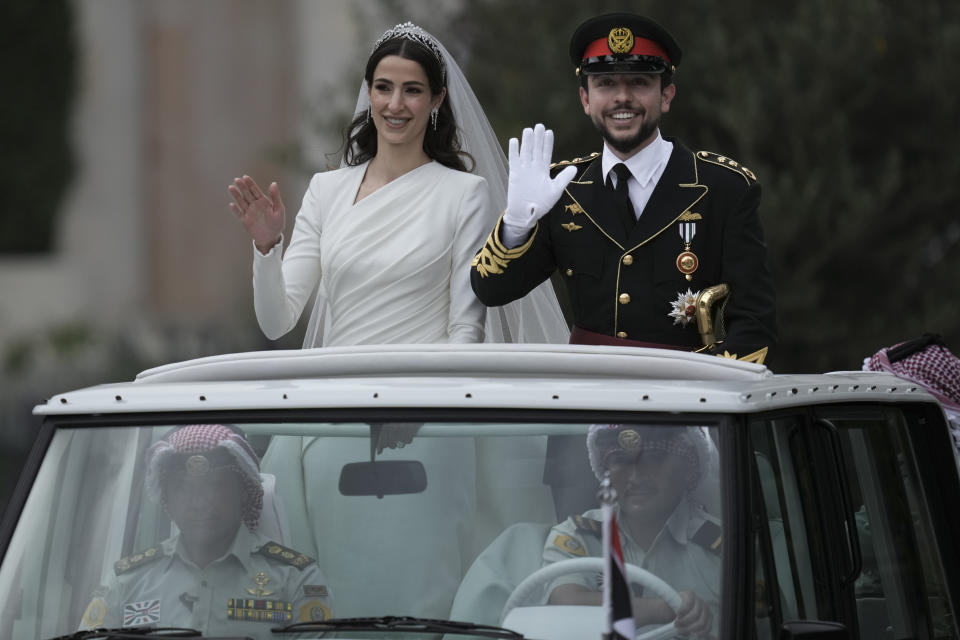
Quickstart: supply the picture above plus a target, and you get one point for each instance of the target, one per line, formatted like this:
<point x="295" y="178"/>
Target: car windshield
<point x="493" y="523"/>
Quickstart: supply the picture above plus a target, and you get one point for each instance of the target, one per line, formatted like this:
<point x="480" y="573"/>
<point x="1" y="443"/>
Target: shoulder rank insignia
<point x="588" y="525"/>
<point x="709" y="537"/>
<point x="138" y="559"/>
<point x="286" y="555"/>
<point x="571" y="226"/>
<point x="729" y="163"/>
<point x="569" y="544"/>
<point x="564" y="163"/>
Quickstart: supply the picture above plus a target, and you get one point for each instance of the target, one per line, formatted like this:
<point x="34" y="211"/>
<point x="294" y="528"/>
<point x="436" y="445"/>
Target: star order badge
<point x="684" y="308"/>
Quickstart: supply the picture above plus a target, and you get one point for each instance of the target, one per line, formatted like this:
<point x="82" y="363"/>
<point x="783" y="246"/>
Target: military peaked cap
<point x="623" y="43"/>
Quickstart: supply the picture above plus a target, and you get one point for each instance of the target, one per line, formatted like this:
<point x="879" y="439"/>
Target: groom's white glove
<point x="531" y="191"/>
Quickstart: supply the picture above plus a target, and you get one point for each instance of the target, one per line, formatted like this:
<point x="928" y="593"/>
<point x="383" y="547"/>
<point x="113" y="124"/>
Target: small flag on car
<point x="617" y="606"/>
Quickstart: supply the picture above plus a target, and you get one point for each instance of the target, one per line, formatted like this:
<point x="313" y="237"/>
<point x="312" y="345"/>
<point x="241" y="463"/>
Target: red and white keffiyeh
<point x="933" y="367"/>
<point x="205" y="438"/>
<point x="927" y="362"/>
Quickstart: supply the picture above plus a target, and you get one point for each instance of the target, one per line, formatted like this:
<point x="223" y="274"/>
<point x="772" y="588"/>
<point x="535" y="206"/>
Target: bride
<point x="387" y="241"/>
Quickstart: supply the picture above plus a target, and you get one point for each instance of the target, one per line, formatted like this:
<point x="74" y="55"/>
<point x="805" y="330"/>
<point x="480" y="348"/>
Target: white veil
<point x="537" y="316"/>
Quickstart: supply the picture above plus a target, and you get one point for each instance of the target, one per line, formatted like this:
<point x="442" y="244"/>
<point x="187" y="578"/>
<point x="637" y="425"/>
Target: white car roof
<point x="519" y="376"/>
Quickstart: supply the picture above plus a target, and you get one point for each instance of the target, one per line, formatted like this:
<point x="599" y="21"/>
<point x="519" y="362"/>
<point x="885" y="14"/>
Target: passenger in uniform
<point x="660" y="475"/>
<point x="639" y="229"/>
<point x="217" y="575"/>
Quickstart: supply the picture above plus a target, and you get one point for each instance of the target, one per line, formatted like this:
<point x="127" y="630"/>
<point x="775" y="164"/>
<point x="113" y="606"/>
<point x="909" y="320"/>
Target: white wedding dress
<point x="392" y="268"/>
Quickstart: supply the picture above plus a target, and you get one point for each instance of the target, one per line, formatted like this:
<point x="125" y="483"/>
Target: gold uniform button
<point x="569" y="272"/>
<point x="624" y="298"/>
<point x="628" y="260"/>
<point x="621" y="334"/>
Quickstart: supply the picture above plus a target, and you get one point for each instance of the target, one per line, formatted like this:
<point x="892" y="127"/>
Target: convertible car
<point x="445" y="491"/>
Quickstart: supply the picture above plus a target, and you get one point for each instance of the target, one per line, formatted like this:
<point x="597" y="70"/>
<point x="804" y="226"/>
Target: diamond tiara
<point x="411" y="31"/>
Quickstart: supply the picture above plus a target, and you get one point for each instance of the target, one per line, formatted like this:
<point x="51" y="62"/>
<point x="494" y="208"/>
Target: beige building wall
<point x="175" y="98"/>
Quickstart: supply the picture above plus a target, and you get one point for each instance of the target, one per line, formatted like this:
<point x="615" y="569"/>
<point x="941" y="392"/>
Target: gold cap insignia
<point x="628" y="439"/>
<point x="197" y="466"/>
<point x="620" y="40"/>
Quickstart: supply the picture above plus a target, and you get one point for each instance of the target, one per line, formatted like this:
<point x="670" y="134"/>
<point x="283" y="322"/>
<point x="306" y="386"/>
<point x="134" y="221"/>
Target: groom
<point x="638" y="230"/>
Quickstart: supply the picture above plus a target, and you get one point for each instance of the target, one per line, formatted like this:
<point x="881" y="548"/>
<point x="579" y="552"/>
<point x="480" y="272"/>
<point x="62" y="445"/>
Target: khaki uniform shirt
<point x="685" y="554"/>
<point x="256" y="585"/>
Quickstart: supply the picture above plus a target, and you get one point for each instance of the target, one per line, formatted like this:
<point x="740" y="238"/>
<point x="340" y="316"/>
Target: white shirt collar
<point x="644" y="164"/>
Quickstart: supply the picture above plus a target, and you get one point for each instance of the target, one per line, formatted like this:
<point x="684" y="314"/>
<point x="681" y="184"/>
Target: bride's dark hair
<point x="440" y="144"/>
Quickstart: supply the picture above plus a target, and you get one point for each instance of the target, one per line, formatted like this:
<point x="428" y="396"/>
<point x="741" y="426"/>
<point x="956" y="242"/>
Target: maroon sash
<point x="582" y="336"/>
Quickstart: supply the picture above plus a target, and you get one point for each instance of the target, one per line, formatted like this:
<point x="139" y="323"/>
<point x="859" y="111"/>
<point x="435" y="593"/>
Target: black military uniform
<point x="699" y="228"/>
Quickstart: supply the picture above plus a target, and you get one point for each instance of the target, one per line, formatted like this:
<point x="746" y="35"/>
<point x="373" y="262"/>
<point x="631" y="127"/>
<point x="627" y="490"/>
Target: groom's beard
<point x="627" y="145"/>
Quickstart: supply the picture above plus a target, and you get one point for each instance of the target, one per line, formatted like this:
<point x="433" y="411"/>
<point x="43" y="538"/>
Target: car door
<point x="856" y="522"/>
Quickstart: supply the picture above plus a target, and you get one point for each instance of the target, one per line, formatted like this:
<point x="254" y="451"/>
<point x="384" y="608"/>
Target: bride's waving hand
<point x="263" y="215"/>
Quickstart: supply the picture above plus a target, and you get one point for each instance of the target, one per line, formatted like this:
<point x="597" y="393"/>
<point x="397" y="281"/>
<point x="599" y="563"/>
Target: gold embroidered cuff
<point x="494" y="258"/>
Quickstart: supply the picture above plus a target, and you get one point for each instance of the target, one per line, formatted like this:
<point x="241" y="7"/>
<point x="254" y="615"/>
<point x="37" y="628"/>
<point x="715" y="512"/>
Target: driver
<point x="660" y="475"/>
<point x="218" y="575"/>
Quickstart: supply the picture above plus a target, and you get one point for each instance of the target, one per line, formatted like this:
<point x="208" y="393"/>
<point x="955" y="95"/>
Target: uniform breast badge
<point x="573" y="209"/>
<point x="571" y="226"/>
<point x="261" y="579"/>
<point x="687" y="261"/>
<point x="684" y="308"/>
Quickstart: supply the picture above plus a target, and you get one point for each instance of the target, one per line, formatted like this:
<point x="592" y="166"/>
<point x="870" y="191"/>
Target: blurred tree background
<point x="844" y="110"/>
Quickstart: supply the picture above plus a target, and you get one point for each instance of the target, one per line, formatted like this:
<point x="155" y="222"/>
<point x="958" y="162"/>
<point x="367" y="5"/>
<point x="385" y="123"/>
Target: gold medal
<point x="687" y="263"/>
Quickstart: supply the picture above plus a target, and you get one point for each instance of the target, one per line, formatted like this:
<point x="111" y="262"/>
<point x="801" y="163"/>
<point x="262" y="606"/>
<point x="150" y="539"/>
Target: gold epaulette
<point x="564" y="163"/>
<point x="588" y="525"/>
<point x="709" y="536"/>
<point x="729" y="163"/>
<point x="494" y="257"/>
<point x="138" y="559"/>
<point x="286" y="555"/>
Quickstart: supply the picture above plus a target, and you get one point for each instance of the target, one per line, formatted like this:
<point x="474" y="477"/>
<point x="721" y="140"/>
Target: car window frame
<point x="937" y="473"/>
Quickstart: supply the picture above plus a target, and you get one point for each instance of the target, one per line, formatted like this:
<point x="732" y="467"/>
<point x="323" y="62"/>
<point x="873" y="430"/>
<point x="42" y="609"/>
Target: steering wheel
<point x="545" y="575"/>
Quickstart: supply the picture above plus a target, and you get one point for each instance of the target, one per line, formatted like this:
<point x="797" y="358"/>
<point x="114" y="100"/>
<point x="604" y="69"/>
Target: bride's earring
<point x="433" y="118"/>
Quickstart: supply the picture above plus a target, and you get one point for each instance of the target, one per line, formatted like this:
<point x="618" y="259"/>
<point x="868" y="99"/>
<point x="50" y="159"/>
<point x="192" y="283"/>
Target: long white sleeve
<point x="467" y="314"/>
<point x="281" y="287"/>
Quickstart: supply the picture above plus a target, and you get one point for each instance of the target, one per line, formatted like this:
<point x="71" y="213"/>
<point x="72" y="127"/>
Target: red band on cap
<point x="641" y="47"/>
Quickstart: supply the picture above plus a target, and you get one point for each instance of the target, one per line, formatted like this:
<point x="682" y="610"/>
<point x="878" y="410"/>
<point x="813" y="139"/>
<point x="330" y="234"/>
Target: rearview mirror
<point x="383" y="478"/>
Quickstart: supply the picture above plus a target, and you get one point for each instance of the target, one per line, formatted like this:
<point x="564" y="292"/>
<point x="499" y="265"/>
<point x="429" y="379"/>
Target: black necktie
<point x="622" y="195"/>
